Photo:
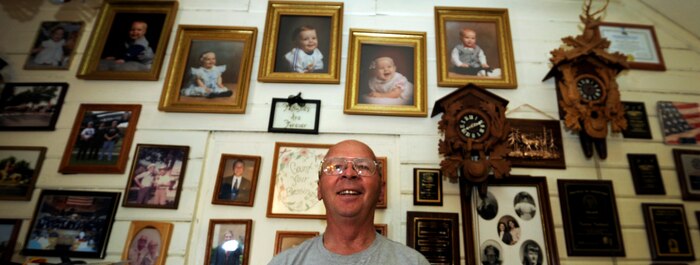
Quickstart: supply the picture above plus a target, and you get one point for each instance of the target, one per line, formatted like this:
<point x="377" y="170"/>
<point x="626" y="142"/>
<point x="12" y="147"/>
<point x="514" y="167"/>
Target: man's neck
<point x="349" y="237"/>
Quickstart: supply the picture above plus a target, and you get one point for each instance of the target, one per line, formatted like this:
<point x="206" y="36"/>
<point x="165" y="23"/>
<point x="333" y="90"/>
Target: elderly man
<point x="350" y="185"/>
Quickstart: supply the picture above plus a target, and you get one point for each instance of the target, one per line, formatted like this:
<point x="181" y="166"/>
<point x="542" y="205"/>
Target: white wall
<point x="536" y="25"/>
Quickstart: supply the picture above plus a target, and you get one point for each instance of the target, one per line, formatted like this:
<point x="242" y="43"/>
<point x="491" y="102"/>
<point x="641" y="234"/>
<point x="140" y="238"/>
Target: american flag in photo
<point x="79" y="200"/>
<point x="680" y="122"/>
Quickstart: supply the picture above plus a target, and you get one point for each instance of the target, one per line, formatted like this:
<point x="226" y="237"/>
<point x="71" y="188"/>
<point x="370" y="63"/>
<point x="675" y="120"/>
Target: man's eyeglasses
<point x="336" y="166"/>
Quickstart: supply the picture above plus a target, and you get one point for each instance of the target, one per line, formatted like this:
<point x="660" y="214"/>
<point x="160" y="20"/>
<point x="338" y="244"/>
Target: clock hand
<point x="473" y="125"/>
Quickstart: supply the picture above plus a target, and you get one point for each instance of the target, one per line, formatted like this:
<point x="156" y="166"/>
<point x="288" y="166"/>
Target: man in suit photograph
<point x="236" y="187"/>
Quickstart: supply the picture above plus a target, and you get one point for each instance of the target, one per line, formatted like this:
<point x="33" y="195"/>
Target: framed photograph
<point x="297" y="117"/>
<point x="535" y="144"/>
<point x="427" y="186"/>
<point x="688" y="170"/>
<point x="209" y="70"/>
<point x="54" y="45"/>
<point x="512" y="223"/>
<point x="637" y="121"/>
<point x="31" y="106"/>
<point x="474" y="46"/>
<point x="302" y="42"/>
<point x="19" y="170"/>
<point x="128" y="40"/>
<point x="646" y="174"/>
<point x="667" y="231"/>
<point x="70" y="223"/>
<point x="382" y="204"/>
<point x="591" y="222"/>
<point x="147" y="242"/>
<point x="638" y="42"/>
<point x="156" y="177"/>
<point x="237" y="180"/>
<point x="9" y="229"/>
<point x="435" y="235"/>
<point x="228" y="241"/>
<point x="100" y="139"/>
<point x="294" y="184"/>
<point x="382" y="229"/>
<point x="288" y="239"/>
<point x="679" y="122"/>
<point x="386" y="73"/>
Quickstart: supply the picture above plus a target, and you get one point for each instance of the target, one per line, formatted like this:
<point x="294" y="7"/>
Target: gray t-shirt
<point x="382" y="251"/>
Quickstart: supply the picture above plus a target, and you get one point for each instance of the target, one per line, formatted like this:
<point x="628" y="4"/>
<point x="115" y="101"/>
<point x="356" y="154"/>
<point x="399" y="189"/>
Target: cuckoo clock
<point x="585" y="75"/>
<point x="474" y="128"/>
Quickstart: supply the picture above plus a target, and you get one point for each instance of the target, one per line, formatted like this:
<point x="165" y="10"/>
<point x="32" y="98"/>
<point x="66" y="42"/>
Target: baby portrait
<point x="212" y="71"/>
<point x="386" y="75"/>
<point x="472" y="49"/>
<point x="132" y="42"/>
<point x="303" y="44"/>
<point x="54" y="45"/>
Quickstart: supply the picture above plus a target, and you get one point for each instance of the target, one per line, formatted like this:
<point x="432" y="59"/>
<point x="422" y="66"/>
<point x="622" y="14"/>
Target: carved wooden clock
<point x="474" y="127"/>
<point x="587" y="91"/>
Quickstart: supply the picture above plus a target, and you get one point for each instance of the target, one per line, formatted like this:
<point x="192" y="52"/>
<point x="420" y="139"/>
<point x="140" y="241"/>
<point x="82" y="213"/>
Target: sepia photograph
<point x="19" y="170"/>
<point x="156" y="176"/>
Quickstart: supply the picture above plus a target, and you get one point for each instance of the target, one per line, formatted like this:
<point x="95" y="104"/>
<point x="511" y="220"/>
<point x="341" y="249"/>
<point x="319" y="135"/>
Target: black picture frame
<point x="591" y="221"/>
<point x="646" y="174"/>
<point x="435" y="235"/>
<point x="9" y="230"/>
<point x="688" y="171"/>
<point x="637" y="121"/>
<point x="31" y="106"/>
<point x="536" y="144"/>
<point x="62" y="216"/>
<point x="427" y="186"/>
<point x="667" y="232"/>
<point x="20" y="167"/>
<point x="294" y="115"/>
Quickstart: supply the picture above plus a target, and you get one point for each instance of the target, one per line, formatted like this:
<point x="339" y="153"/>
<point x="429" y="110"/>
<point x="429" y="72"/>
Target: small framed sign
<point x="646" y="174"/>
<point x="667" y="231"/>
<point x="427" y="186"/>
<point x="638" y="42"/>
<point x="637" y="121"/>
<point x="435" y="235"/>
<point x="688" y="170"/>
<point x="299" y="117"/>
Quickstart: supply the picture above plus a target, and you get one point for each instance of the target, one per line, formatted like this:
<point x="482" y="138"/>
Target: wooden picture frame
<point x="9" y="230"/>
<point x="156" y="177"/>
<point x="106" y="57"/>
<point x="678" y="123"/>
<point x="54" y="46"/>
<point x="288" y="239"/>
<point x="89" y="154"/>
<point x="427" y="186"/>
<point x="151" y="238"/>
<point x="481" y="218"/>
<point x="19" y="169"/>
<point x="535" y="144"/>
<point x="244" y="194"/>
<point x="491" y="28"/>
<point x="591" y="221"/>
<point x="667" y="232"/>
<point x="382" y="229"/>
<point x="435" y="235"/>
<point x="298" y="117"/>
<point x="303" y="179"/>
<point x="383" y="200"/>
<point x="637" y="121"/>
<point x="49" y="238"/>
<point x="688" y="171"/>
<point x="218" y="240"/>
<point x="646" y="174"/>
<point x="636" y="41"/>
<point x="31" y="106"/>
<point x="189" y="88"/>
<point x="284" y="20"/>
<point x="400" y="89"/>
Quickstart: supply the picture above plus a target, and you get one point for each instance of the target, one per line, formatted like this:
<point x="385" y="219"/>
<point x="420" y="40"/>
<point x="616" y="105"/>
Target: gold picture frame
<point x="232" y="49"/>
<point x="244" y="194"/>
<point x="281" y="62"/>
<point x="153" y="237"/>
<point x="405" y="91"/>
<point x="288" y="239"/>
<point x="105" y="57"/>
<point x="491" y="27"/>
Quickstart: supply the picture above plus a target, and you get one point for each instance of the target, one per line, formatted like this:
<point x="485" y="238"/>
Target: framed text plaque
<point x="646" y="174"/>
<point x="427" y="186"/>
<point x="435" y="235"/>
<point x="301" y="117"/>
<point x="667" y="231"/>
<point x="688" y="170"/>
<point x="637" y="121"/>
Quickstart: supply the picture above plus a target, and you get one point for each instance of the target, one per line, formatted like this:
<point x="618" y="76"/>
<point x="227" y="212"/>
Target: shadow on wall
<point x="25" y="10"/>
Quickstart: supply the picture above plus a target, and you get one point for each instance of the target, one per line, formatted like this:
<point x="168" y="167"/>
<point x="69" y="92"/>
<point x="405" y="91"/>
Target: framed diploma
<point x="667" y="231"/>
<point x="297" y="117"/>
<point x="638" y="42"/>
<point x="646" y="174"/>
<point x="688" y="170"/>
<point x="427" y="186"/>
<point x="435" y="235"/>
<point x="591" y="222"/>
<point x="637" y="121"/>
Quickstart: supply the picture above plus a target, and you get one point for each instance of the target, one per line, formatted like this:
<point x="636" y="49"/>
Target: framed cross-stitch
<point x="210" y="70"/>
<point x="237" y="180"/>
<point x="19" y="169"/>
<point x="54" y="45"/>
<point x="638" y="42"/>
<point x="667" y="232"/>
<point x="302" y="42"/>
<point x="157" y="174"/>
<point x="298" y="117"/>
<point x="228" y="241"/>
<point x="128" y="40"/>
<point x="435" y="235"/>
<point x="535" y="144"/>
<point x="9" y="229"/>
<point x="147" y="242"/>
<point x="688" y="169"/>
<point x="427" y="186"/>
<point x="31" y="106"/>
<point x="100" y="139"/>
<point x="474" y="46"/>
<point x="288" y="239"/>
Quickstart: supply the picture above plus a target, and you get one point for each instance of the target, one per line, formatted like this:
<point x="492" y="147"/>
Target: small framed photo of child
<point x="302" y="43"/>
<point x="128" y="41"/>
<point x="54" y="45"/>
<point x="209" y="70"/>
<point x="386" y="73"/>
<point x="474" y="46"/>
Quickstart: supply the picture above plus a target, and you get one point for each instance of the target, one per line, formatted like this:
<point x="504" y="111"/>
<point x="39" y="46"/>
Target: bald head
<point x="351" y="148"/>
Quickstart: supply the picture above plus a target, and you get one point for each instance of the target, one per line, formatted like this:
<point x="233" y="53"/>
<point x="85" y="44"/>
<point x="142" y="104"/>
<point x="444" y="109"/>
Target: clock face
<point x="589" y="89"/>
<point x="472" y="125"/>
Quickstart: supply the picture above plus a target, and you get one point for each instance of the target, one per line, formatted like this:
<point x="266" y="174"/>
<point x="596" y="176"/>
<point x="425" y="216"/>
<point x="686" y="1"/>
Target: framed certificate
<point x="667" y="231"/>
<point x="638" y="42"/>
<point x="435" y="235"/>
<point x="646" y="174"/>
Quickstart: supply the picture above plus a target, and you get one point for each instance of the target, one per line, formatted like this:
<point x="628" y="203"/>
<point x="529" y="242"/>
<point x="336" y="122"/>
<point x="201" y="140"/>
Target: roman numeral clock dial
<point x="472" y="126"/>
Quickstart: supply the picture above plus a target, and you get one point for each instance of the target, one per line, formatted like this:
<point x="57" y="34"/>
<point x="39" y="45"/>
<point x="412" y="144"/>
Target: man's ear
<point x="318" y="191"/>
